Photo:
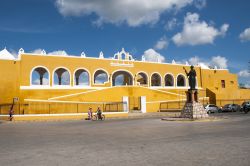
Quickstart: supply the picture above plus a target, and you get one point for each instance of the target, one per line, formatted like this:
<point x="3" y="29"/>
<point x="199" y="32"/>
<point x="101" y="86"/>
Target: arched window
<point x="155" y="80"/>
<point x="40" y="76"/>
<point x="169" y="80"/>
<point x="123" y="56"/>
<point x="61" y="77"/>
<point x="142" y="78"/>
<point x="121" y="78"/>
<point x="100" y="77"/>
<point x="81" y="78"/>
<point x="181" y="81"/>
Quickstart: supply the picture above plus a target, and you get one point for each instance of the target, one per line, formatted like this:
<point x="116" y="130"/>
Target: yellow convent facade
<point x="46" y="79"/>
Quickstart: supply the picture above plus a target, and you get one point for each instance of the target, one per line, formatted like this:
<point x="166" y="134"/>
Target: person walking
<point x="11" y="112"/>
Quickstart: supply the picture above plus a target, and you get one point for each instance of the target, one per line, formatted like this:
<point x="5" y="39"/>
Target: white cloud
<point x="58" y="52"/>
<point x="216" y="61"/>
<point x="245" y="35"/>
<point x="14" y="53"/>
<point x="204" y="65"/>
<point x="37" y="51"/>
<point x="194" y="60"/>
<point x="219" y="61"/>
<point x="132" y="12"/>
<point x="101" y="78"/>
<point x="153" y="56"/>
<point x="37" y="81"/>
<point x="200" y="4"/>
<point x="244" y="73"/>
<point x="66" y="78"/>
<point x="223" y="29"/>
<point x="171" y="24"/>
<point x="161" y="44"/>
<point x="196" y="32"/>
<point x="247" y="85"/>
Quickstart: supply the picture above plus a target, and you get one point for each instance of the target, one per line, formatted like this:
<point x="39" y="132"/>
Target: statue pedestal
<point x="193" y="109"/>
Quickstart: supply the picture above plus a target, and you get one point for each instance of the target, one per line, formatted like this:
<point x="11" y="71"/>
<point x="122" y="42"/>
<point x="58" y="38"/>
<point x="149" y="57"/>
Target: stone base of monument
<point x="193" y="109"/>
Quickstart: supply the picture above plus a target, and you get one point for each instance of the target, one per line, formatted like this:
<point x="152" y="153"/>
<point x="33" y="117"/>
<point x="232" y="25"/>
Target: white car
<point x="211" y="108"/>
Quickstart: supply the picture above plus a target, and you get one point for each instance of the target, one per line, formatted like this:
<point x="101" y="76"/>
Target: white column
<point x="126" y="103"/>
<point x="143" y="104"/>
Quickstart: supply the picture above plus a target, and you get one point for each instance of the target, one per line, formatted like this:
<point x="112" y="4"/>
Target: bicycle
<point x="96" y="117"/>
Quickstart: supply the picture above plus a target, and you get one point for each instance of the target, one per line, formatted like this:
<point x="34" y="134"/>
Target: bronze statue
<point x="191" y="78"/>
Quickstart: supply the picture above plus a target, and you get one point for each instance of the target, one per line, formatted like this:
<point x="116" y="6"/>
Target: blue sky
<point x="204" y="31"/>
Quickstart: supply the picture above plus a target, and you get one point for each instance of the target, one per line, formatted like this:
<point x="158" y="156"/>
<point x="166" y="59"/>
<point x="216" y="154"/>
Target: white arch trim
<point x="111" y="78"/>
<point x="165" y="80"/>
<point x="81" y="68"/>
<point x="151" y="79"/>
<point x="53" y="74"/>
<point x="185" y="80"/>
<point x="32" y="70"/>
<point x="145" y="74"/>
<point x="93" y="76"/>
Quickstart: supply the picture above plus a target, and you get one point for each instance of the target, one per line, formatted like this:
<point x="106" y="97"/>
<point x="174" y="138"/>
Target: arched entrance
<point x="122" y="78"/>
<point x="142" y="79"/>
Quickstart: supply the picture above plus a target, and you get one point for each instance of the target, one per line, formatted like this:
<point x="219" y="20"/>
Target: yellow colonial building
<point x="62" y="84"/>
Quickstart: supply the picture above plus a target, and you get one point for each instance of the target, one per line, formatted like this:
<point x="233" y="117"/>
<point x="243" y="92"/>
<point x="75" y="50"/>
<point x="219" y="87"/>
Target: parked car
<point x="244" y="104"/>
<point x="245" y="107"/>
<point x="211" y="108"/>
<point x="231" y="108"/>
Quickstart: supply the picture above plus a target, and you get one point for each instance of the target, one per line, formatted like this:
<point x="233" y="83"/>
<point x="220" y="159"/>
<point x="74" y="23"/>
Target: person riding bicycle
<point x="90" y="113"/>
<point x="99" y="113"/>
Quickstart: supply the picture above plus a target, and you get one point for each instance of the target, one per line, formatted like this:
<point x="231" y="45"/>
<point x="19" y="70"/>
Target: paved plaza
<point x="126" y="142"/>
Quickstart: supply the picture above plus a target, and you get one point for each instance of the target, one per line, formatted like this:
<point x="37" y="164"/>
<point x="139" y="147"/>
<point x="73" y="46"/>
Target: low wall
<point x="170" y="106"/>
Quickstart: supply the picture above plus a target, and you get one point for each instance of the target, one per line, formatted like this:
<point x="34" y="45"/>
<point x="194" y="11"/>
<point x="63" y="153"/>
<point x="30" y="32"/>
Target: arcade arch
<point x="100" y="76"/>
<point x="61" y="76"/>
<point x="181" y="80"/>
<point x="122" y="78"/>
<point x="156" y="79"/>
<point x="40" y="76"/>
<point x="81" y="77"/>
<point x="169" y="80"/>
<point x="142" y="78"/>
